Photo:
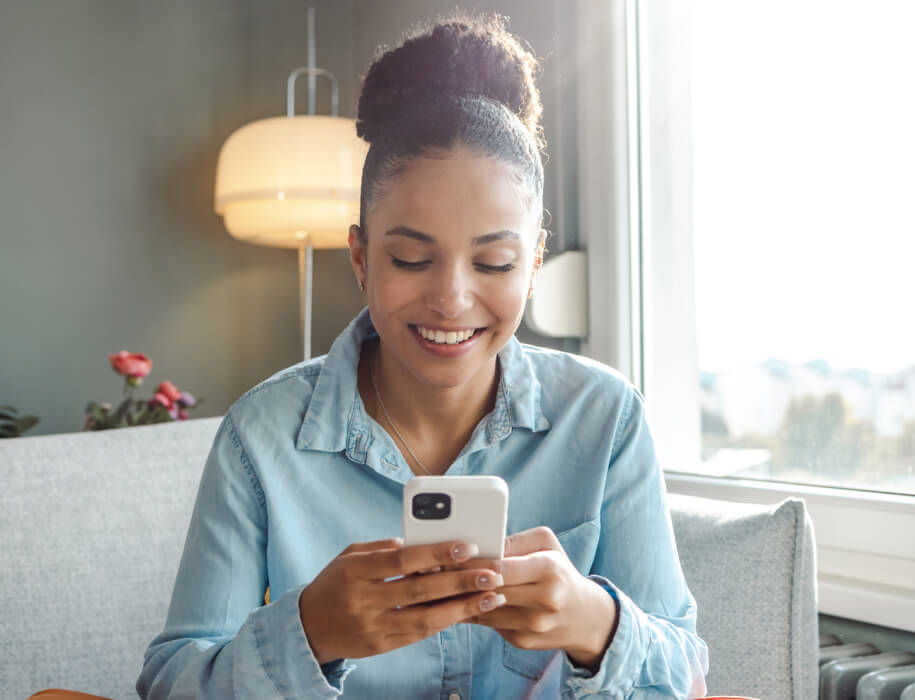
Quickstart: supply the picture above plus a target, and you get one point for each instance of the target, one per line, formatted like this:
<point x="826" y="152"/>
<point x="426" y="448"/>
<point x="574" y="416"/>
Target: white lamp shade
<point x="285" y="179"/>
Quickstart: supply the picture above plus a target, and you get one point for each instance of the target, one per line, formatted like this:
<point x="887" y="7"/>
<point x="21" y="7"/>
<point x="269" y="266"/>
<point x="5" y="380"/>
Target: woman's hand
<point x="351" y="610"/>
<point x="550" y="605"/>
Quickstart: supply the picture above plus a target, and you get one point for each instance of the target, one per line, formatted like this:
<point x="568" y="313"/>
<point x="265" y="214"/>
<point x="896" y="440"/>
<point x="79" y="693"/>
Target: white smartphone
<point x="473" y="509"/>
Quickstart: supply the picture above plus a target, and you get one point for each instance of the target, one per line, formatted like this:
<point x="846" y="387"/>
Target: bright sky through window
<point x="804" y="182"/>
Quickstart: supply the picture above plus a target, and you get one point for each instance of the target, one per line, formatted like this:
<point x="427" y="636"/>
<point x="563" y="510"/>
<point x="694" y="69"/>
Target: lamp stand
<point x="306" y="276"/>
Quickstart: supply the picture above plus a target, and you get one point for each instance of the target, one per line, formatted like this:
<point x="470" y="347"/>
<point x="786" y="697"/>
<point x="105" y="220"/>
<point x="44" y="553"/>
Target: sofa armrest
<point x="752" y="570"/>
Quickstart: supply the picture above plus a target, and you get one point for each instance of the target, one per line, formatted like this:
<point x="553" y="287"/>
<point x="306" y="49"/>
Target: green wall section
<point x="111" y="120"/>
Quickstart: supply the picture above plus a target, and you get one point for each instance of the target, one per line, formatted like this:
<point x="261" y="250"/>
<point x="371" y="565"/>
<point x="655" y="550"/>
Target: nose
<point x="451" y="294"/>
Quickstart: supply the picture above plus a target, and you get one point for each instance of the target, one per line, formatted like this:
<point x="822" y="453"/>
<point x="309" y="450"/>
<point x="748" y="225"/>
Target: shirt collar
<point x="335" y="419"/>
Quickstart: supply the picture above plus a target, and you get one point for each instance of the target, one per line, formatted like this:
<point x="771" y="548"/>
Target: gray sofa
<point x="93" y="526"/>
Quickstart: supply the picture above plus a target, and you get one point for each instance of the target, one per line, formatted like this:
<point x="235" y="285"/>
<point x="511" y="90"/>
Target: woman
<point x="302" y="490"/>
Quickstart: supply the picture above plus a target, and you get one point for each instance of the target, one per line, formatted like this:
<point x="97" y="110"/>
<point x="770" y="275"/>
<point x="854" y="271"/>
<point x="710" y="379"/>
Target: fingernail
<point x="464" y="551"/>
<point x="493" y="601"/>
<point x="486" y="581"/>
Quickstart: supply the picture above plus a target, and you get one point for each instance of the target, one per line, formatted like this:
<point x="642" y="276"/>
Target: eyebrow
<point x="478" y="240"/>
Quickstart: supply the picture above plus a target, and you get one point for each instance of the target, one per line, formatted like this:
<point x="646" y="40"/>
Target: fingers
<point x="536" y="539"/>
<point x="391" y="543"/>
<point x="388" y="563"/>
<point x="420" y="621"/>
<point x="412" y="590"/>
<point x="517" y="571"/>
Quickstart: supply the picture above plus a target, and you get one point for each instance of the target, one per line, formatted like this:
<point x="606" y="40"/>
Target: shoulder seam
<point x="248" y="467"/>
<point x="623" y="422"/>
<point x="309" y="372"/>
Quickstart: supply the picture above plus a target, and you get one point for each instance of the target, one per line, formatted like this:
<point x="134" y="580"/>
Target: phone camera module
<point x="431" y="506"/>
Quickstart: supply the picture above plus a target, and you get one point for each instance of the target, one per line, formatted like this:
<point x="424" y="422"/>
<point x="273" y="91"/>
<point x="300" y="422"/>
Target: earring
<point x="362" y="286"/>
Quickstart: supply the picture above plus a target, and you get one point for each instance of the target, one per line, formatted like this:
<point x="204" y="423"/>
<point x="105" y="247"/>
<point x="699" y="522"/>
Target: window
<point x="803" y="234"/>
<point x="760" y="247"/>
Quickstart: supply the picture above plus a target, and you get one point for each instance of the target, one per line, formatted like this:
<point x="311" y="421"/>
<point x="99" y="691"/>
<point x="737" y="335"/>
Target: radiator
<point x="861" y="671"/>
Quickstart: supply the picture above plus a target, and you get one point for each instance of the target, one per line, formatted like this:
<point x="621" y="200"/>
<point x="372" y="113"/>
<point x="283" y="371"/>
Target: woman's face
<point x="451" y="248"/>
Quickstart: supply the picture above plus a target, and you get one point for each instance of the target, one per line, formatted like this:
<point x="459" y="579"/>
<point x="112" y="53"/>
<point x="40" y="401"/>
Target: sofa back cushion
<point x="93" y="526"/>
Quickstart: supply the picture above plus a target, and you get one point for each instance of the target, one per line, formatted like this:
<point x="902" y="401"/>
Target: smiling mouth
<point x="447" y="337"/>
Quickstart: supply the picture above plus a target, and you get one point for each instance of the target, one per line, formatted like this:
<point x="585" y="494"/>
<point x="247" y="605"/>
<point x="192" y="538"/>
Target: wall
<point x="111" y="120"/>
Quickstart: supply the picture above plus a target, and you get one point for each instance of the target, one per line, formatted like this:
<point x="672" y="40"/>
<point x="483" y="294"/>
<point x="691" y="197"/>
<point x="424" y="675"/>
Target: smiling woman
<point x="303" y="488"/>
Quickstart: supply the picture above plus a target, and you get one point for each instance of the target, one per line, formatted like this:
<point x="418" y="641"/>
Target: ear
<point x="538" y="261"/>
<point x="357" y="255"/>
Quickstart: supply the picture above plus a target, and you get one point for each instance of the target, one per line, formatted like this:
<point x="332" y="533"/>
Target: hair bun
<point x="461" y="57"/>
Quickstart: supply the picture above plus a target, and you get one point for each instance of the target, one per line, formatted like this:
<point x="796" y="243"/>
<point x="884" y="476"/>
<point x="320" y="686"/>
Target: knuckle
<point x="552" y="568"/>
<point x="415" y="592"/>
<point x="402" y="559"/>
<point x="423" y="626"/>
<point x="539" y="624"/>
<point x="442" y="553"/>
<point x="472" y="606"/>
<point x="347" y="573"/>
<point x="349" y="606"/>
<point x="552" y="599"/>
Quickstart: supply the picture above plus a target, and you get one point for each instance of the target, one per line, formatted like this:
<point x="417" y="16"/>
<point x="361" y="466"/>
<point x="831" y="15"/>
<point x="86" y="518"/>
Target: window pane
<point x="804" y="239"/>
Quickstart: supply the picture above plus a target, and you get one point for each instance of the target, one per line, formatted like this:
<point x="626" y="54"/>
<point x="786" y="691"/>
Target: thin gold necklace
<point x="388" y="416"/>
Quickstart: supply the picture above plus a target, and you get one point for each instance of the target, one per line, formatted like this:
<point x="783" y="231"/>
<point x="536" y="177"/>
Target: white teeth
<point x="445" y="337"/>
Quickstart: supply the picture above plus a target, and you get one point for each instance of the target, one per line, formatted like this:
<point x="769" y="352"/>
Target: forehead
<point x="459" y="194"/>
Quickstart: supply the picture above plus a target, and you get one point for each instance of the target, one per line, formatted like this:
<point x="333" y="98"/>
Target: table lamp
<point x="293" y="181"/>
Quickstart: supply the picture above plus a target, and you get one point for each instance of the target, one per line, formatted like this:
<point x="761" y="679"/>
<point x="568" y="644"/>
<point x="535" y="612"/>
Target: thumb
<point x="536" y="539"/>
<point x="374" y="546"/>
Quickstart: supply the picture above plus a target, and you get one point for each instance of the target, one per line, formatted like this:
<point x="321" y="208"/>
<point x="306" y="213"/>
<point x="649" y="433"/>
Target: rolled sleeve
<point x="639" y="662"/>
<point x="286" y="656"/>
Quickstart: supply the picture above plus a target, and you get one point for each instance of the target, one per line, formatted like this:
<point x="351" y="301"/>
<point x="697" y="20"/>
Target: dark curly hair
<point x="465" y="80"/>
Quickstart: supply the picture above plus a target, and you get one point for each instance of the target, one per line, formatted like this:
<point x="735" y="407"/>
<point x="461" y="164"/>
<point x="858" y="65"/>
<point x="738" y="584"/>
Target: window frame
<point x="864" y="540"/>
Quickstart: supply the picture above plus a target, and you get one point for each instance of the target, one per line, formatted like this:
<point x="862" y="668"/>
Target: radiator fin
<point x="839" y="678"/>
<point x="860" y="671"/>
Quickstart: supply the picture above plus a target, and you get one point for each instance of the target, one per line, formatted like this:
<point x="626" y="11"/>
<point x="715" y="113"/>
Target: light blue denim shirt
<point x="298" y="471"/>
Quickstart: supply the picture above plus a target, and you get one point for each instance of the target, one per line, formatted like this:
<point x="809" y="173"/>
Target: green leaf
<point x="25" y="423"/>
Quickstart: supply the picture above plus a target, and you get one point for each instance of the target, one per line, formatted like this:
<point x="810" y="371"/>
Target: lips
<point x="442" y="336"/>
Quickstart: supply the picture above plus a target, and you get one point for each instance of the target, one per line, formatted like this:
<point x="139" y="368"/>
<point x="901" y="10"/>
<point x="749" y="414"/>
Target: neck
<point x="435" y="422"/>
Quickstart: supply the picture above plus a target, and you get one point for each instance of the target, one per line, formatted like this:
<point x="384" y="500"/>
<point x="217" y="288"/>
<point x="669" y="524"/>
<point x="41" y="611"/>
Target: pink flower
<point x="130" y="364"/>
<point x="163" y="399"/>
<point x="170" y="390"/>
<point x="182" y="415"/>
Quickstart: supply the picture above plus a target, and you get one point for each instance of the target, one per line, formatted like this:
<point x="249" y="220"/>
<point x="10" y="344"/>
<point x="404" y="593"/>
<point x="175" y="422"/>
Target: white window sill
<point x="865" y="543"/>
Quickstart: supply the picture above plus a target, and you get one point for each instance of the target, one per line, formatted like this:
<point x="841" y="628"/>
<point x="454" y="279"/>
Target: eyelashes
<point x="423" y="264"/>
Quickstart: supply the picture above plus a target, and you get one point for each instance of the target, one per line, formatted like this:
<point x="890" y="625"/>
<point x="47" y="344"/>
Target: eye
<point x="495" y="268"/>
<point x="407" y="265"/>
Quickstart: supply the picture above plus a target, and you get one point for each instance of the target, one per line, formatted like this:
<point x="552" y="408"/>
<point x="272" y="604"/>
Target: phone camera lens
<point x="431" y="506"/>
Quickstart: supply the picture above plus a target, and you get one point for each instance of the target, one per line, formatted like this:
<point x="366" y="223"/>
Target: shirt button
<point x="454" y="696"/>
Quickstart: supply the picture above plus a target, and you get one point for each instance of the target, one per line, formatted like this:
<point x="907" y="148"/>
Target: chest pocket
<point x="580" y="545"/>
